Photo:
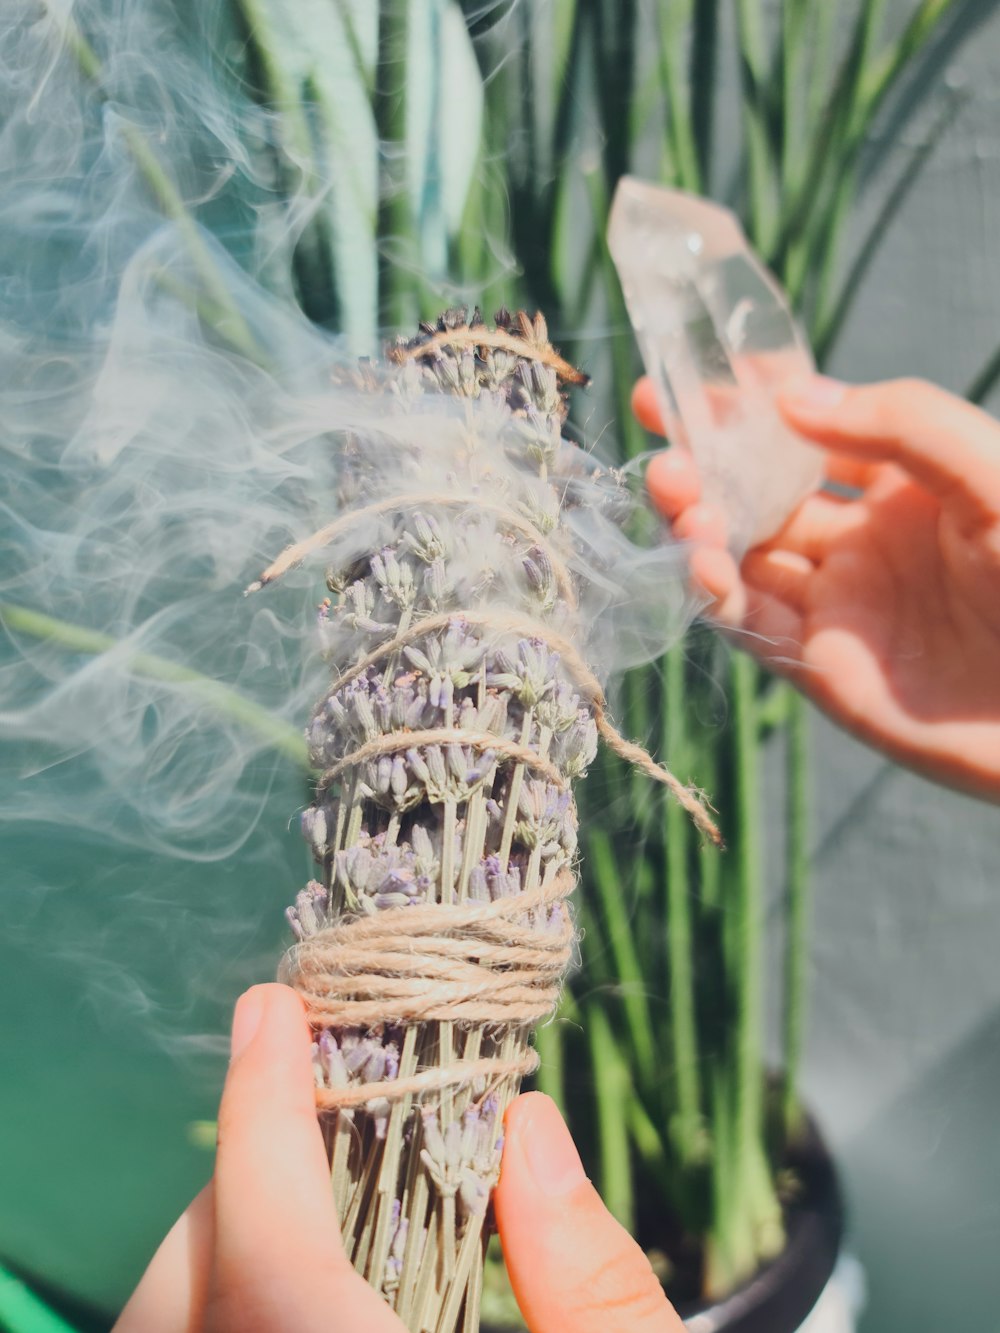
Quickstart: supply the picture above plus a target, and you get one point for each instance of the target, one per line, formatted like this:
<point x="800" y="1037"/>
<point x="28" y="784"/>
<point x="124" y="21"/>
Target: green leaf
<point x="444" y="115"/>
<point x="985" y="379"/>
<point x="316" y="58"/>
<point x="21" y="1311"/>
<point x="220" y="698"/>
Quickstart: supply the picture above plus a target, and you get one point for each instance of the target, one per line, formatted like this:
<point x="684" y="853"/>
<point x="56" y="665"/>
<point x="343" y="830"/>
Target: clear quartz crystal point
<point x="717" y="338"/>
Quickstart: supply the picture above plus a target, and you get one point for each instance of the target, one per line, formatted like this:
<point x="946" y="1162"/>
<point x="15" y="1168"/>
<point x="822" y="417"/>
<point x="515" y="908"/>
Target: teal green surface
<point x="22" y="1311"/>
<point x="119" y="971"/>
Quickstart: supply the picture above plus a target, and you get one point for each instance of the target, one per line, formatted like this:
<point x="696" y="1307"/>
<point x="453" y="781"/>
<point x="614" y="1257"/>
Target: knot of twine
<point x="497" y="964"/>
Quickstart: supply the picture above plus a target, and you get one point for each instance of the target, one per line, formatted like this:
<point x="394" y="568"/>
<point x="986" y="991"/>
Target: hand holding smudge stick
<point x="461" y="711"/>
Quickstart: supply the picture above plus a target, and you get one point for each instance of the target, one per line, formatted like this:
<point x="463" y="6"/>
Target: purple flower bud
<point x="400" y="778"/>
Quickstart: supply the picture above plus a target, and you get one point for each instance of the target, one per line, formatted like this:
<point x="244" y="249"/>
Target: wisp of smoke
<point x="170" y="420"/>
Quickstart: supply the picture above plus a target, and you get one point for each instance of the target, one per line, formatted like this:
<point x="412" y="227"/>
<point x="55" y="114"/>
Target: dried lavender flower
<point x="459" y="714"/>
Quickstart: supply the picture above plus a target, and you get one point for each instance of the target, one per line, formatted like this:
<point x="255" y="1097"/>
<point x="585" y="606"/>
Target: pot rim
<point x="779" y="1297"/>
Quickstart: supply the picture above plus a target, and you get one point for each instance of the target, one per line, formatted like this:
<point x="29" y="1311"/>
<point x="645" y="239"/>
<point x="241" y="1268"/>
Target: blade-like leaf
<point x="830" y="314"/>
<point x="322" y="92"/>
<point x="444" y="112"/>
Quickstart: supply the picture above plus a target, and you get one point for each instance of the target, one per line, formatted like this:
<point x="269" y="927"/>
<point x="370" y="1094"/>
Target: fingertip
<point x="269" y="1009"/>
<point x="572" y="1265"/>
<point x="672" y="482"/>
<point x="518" y="1113"/>
<point x="812" y="397"/>
<point x="543" y="1148"/>
<point x="270" y="1073"/>
<point x="715" y="573"/>
<point x="645" y="406"/>
<point x="703" y="525"/>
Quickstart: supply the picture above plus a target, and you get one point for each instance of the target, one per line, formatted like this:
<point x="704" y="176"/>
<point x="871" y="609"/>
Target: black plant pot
<point x="779" y="1297"/>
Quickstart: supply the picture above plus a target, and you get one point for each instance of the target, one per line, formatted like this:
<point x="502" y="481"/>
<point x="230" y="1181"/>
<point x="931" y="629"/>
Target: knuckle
<point x="226" y="1122"/>
<point x="623" y="1285"/>
<point x="898" y="402"/>
<point x="232" y="1304"/>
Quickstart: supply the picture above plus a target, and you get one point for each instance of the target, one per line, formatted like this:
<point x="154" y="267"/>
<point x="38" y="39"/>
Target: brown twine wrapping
<point x="294" y="555"/>
<point x="483" y="964"/>
<point x="476" y="335"/>
<point x="394" y="741"/>
<point x="490" y="1068"/>
<point x="497" y="965"/>
<point x="688" y="797"/>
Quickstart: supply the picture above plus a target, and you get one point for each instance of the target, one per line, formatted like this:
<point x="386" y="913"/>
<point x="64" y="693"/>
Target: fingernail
<point x="817" y="394"/>
<point x="549" y="1149"/>
<point x="673" y="460"/>
<point x="246" y="1020"/>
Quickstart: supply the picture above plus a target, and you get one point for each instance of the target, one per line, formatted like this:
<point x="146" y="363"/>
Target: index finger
<point x="943" y="442"/>
<point x="844" y="470"/>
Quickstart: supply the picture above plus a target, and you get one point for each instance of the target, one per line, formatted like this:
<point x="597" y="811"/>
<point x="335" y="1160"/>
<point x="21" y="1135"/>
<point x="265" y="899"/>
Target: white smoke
<point x="170" y="420"/>
<point x="169" y="423"/>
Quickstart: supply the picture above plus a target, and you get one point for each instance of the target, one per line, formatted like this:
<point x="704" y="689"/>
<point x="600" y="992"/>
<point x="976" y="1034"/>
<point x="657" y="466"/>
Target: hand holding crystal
<point x="880" y="602"/>
<point x="259" y="1250"/>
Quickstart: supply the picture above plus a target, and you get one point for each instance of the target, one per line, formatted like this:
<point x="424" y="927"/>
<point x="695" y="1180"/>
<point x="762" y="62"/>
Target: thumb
<point x="573" y="1268"/>
<point x="279" y="1262"/>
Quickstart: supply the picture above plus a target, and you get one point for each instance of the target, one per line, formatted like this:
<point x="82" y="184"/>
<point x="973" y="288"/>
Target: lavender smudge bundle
<point x="460" y="713"/>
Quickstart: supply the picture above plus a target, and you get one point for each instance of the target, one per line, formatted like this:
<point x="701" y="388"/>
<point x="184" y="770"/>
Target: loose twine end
<point x="693" y="801"/>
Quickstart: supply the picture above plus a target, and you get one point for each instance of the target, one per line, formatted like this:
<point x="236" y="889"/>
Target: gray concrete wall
<point x="903" y="1053"/>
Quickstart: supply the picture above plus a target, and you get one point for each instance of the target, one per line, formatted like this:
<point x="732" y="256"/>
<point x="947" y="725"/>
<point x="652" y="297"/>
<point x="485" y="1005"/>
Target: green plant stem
<point x="281" y="89"/>
<point x="613" y="1091"/>
<point x="749" y="979"/>
<point x="985" y="379"/>
<point x="365" y="75"/>
<point x="572" y="30"/>
<point x="774" y="704"/>
<point x="22" y="1309"/>
<point x="230" y="323"/>
<point x="647" y="1139"/>
<point x="550" y="1076"/>
<point x="701" y="81"/>
<point x="885" y="71"/>
<point x="619" y="933"/>
<point x="278" y="735"/>
<point x="623" y="368"/>
<point x="762" y="1211"/>
<point x="797" y="910"/>
<point x="288" y="97"/>
<point x="868" y="81"/>
<point x="614" y="24"/>
<point x="729" y="1249"/>
<point x="835" y="141"/>
<point x="794" y="14"/>
<point x="831" y="312"/>
<point x="674" y="18"/>
<point x="687" y="1126"/>
<point x="822" y="241"/>
<point x="397" y="293"/>
<point x="760" y="162"/>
